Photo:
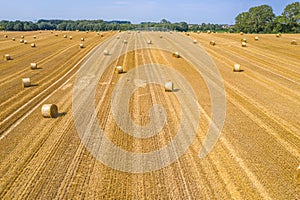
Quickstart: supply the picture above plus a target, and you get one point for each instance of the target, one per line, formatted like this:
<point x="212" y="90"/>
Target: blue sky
<point x="136" y="11"/>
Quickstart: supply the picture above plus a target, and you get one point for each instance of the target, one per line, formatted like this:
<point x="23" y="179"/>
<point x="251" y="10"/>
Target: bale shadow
<point x="176" y="90"/>
<point x="38" y="68"/>
<point x="60" y="114"/>
<point x="241" y="70"/>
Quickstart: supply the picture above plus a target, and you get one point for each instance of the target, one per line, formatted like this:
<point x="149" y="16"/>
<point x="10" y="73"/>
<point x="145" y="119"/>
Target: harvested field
<point x="256" y="156"/>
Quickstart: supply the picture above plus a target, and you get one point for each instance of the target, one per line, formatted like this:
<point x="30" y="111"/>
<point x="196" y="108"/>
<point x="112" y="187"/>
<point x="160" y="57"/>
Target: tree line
<point x="259" y="19"/>
<point x="100" y="25"/>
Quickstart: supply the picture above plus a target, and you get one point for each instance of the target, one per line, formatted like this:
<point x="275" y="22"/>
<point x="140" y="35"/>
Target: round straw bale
<point x="161" y="36"/>
<point x="125" y="42"/>
<point x="33" y="65"/>
<point x="208" y="32"/>
<point x="81" y="45"/>
<point x="49" y="110"/>
<point x="119" y="69"/>
<point x="106" y="52"/>
<point x="195" y="41"/>
<point x="176" y="54"/>
<point x="71" y="37"/>
<point x="22" y="36"/>
<point x="244" y="40"/>
<point x="32" y="45"/>
<point x="241" y="33"/>
<point x="171" y="32"/>
<point x="6" y="57"/>
<point x="213" y="43"/>
<point x="244" y="44"/>
<point x="256" y="38"/>
<point x="21" y="41"/>
<point x="236" y="67"/>
<point x="278" y="35"/>
<point x="169" y="86"/>
<point x="149" y="42"/>
<point x="26" y="82"/>
<point x="65" y="36"/>
<point x="293" y="42"/>
<point x="187" y="34"/>
<point x="56" y="34"/>
<point x="13" y="39"/>
<point x="25" y="41"/>
<point x="34" y="37"/>
<point x="118" y="37"/>
<point x="5" y="36"/>
<point x="81" y="39"/>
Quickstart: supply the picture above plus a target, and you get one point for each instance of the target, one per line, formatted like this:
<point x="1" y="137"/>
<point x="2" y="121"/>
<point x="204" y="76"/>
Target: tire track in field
<point x="231" y="186"/>
<point x="289" y="127"/>
<point x="53" y="150"/>
<point x="16" y="113"/>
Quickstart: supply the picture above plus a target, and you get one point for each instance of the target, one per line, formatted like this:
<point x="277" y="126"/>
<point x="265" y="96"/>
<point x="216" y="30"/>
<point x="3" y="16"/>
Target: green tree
<point x="19" y="26"/>
<point x="260" y="18"/>
<point x="242" y="22"/>
<point x="291" y="15"/>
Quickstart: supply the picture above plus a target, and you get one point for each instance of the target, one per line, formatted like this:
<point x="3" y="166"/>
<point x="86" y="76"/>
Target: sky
<point x="136" y="11"/>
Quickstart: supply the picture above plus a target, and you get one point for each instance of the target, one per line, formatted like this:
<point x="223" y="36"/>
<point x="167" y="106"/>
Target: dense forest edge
<point x="259" y="19"/>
